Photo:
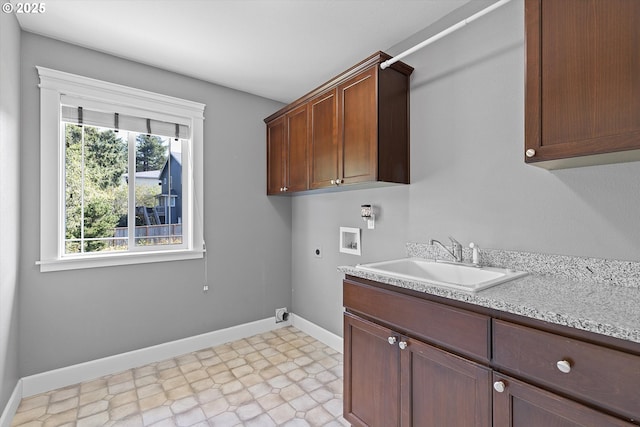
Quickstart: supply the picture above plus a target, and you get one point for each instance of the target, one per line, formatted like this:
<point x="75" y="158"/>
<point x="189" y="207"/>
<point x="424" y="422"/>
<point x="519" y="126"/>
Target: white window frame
<point x="54" y="84"/>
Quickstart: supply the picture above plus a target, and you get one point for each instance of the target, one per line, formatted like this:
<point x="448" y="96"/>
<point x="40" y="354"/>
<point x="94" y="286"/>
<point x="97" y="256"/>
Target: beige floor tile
<point x="202" y="385"/>
<point x="65" y="394"/>
<point x="146" y="380"/>
<point x="93" y="408"/>
<point x="122" y="387"/>
<point x="215" y="407"/>
<point x="239" y="398"/>
<point x="283" y="413"/>
<point x="232" y="387"/>
<point x="122" y="398"/>
<point x="149" y="390"/>
<point x="29" y="415"/>
<point x="208" y="395"/>
<point x="179" y="392"/>
<point x="156" y="414"/>
<point x="318" y="416"/>
<point x="95" y="420"/>
<point x="33" y="402"/>
<point x="190" y="417"/>
<point x="120" y="378"/>
<point x="63" y="406"/>
<point x="271" y="400"/>
<point x="152" y="401"/>
<point x="124" y="411"/>
<point x="62" y="418"/>
<point x="93" y="396"/>
<point x="291" y="392"/>
<point x="303" y="403"/>
<point x="226" y="419"/>
<point x="184" y="405"/>
<point x="279" y="378"/>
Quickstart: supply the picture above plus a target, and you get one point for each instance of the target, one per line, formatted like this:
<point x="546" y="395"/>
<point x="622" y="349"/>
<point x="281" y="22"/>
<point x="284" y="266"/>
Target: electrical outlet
<point x="317" y="251"/>
<point x="281" y="314"/>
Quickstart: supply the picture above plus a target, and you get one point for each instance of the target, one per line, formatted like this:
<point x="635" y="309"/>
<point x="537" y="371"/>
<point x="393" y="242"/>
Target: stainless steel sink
<point x="458" y="276"/>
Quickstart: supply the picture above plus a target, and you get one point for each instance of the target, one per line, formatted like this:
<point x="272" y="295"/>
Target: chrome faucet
<point x="456" y="248"/>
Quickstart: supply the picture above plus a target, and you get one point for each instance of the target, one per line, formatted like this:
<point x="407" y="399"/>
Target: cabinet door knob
<point x="285" y="189"/>
<point x="392" y="340"/>
<point x="530" y="152"/>
<point x="403" y="345"/>
<point x="333" y="182"/>
<point x="338" y="181"/>
<point x="564" y="366"/>
<point x="499" y="386"/>
<point x="281" y="189"/>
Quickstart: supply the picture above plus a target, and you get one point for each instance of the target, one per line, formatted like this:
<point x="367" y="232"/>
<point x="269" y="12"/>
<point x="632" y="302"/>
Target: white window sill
<point x="111" y="260"/>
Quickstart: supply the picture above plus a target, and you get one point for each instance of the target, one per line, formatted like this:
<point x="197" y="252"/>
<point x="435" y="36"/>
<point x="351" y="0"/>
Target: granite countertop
<point x="596" y="303"/>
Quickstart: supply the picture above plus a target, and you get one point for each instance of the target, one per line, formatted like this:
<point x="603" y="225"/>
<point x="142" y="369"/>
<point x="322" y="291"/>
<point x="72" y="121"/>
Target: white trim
<point x="74" y="374"/>
<point x="12" y="406"/>
<point x="57" y="378"/>
<point x="88" y="88"/>
<point x="56" y="84"/>
<point x="329" y="338"/>
<point x="113" y="259"/>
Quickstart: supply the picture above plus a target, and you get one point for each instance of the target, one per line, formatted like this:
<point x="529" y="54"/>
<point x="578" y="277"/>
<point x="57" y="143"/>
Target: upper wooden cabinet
<point x="357" y="129"/>
<point x="287" y="145"/>
<point x="582" y="82"/>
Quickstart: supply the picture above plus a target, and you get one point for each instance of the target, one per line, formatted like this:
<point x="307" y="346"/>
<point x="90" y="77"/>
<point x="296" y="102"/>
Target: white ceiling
<point x="279" y="49"/>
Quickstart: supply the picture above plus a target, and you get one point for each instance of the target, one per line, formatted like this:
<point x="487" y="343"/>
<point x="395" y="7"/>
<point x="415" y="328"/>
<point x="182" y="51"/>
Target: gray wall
<point x="76" y="316"/>
<point x="9" y="202"/>
<point x="468" y="177"/>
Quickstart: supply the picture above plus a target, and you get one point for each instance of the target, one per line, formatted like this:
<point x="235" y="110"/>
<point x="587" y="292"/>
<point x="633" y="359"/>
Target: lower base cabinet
<point x="519" y="404"/>
<point x="400" y="370"/>
<point x="392" y="380"/>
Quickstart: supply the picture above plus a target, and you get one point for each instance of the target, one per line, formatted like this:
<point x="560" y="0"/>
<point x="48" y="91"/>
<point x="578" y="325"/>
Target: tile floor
<point x="279" y="378"/>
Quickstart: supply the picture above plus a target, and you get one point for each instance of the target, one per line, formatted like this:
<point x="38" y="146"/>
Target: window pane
<point x="158" y="191"/>
<point x="96" y="196"/>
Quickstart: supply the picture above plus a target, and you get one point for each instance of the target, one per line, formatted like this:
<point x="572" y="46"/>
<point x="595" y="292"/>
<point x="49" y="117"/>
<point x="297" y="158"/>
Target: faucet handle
<point x="475" y="255"/>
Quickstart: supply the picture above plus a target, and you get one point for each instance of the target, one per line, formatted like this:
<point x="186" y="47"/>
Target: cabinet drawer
<point x="459" y="330"/>
<point x="598" y="375"/>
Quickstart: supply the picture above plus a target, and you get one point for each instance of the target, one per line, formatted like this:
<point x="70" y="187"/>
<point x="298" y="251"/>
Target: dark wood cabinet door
<point x="582" y="81"/>
<point x="441" y="389"/>
<point x="324" y="149"/>
<point x="296" y="170"/>
<point x="371" y="374"/>
<point x="523" y="405"/>
<point x="358" y="128"/>
<point x="275" y="156"/>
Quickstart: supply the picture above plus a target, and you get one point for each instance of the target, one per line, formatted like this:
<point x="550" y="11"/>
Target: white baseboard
<point x="329" y="338"/>
<point x="63" y="377"/>
<point x="12" y="406"/>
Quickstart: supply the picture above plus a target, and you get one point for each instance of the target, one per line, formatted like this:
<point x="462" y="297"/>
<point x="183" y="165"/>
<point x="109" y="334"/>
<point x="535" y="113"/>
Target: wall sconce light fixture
<point x="368" y="216"/>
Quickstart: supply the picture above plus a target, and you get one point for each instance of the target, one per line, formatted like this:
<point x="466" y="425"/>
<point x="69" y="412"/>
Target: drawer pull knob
<point x="564" y="366"/>
<point x="499" y="386"/>
<point x="530" y="152"/>
<point x="392" y="340"/>
<point x="402" y="345"/>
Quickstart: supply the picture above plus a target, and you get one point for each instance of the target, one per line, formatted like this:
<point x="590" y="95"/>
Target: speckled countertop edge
<point x="590" y="305"/>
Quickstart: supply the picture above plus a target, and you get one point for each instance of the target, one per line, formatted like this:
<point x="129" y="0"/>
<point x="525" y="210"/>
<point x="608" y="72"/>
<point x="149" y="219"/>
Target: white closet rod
<point x="443" y="33"/>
